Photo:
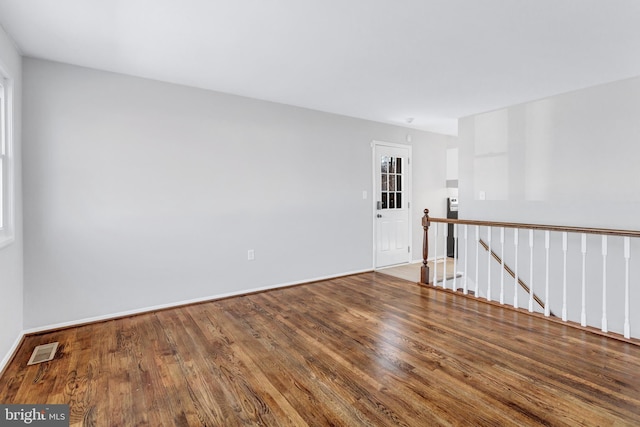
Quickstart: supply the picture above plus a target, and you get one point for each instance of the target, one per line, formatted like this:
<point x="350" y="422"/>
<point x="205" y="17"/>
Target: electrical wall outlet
<point x="251" y="255"/>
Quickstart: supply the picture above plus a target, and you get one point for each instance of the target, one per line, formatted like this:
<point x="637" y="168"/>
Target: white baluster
<point x="583" y="312"/>
<point x="465" y="288"/>
<point x="444" y="256"/>
<point x="604" y="284"/>
<point x="564" y="276"/>
<point x="489" y="263"/>
<point x="502" y="265"/>
<point x="547" y="308"/>
<point x="627" y="255"/>
<point x="530" y="270"/>
<point x="435" y="256"/>
<point x="477" y="254"/>
<point x="455" y="256"/>
<point x="516" y="231"/>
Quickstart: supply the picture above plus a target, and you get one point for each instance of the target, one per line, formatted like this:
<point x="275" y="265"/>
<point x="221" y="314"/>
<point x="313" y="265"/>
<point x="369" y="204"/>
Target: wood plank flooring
<point x="411" y="272"/>
<point x="364" y="350"/>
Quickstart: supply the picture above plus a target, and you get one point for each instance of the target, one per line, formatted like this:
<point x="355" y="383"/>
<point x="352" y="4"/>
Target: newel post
<point x="424" y="270"/>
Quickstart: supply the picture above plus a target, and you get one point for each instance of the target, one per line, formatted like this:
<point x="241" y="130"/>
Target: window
<point x="6" y="166"/>
<point x="391" y="176"/>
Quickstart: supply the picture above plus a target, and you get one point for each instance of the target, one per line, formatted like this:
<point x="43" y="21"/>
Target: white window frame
<point x="7" y="225"/>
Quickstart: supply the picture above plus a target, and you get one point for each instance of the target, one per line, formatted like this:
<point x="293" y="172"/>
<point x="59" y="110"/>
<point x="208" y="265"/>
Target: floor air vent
<point x="43" y="353"/>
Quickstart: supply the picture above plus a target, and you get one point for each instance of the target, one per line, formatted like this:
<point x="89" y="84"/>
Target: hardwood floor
<point x="364" y="350"/>
<point x="411" y="272"/>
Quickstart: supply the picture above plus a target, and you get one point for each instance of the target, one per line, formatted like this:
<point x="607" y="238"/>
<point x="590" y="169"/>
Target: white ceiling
<point x="382" y="60"/>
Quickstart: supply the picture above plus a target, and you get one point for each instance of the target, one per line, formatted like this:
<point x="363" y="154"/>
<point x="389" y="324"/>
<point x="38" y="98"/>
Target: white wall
<point x="11" y="256"/>
<point x="571" y="159"/>
<point x="429" y="180"/>
<point x="140" y="193"/>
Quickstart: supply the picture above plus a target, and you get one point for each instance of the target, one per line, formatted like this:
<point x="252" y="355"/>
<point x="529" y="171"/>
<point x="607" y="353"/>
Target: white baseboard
<point x="127" y="313"/>
<point x="7" y="358"/>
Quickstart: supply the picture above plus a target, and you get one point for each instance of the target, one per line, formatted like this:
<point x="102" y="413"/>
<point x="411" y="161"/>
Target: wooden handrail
<point x="424" y="270"/>
<point x="560" y="228"/>
<point x="513" y="274"/>
<point x="627" y="235"/>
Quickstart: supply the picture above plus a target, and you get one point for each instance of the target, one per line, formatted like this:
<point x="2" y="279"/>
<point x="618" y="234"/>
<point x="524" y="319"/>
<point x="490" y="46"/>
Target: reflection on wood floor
<point x="363" y="350"/>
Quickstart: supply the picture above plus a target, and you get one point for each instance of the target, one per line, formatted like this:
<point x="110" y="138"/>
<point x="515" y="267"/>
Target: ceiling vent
<point x="43" y="353"/>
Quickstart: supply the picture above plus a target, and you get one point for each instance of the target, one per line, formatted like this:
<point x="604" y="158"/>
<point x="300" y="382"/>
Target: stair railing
<point x="508" y="270"/>
<point x="564" y="273"/>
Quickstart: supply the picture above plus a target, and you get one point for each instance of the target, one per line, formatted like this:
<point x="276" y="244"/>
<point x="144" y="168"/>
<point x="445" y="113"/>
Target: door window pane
<point x="391" y="182"/>
<point x="385" y="164"/>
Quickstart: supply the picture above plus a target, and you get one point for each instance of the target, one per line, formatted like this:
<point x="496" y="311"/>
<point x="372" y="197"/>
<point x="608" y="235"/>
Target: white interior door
<point x="392" y="176"/>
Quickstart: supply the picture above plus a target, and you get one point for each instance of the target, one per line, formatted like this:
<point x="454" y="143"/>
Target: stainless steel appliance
<point x="452" y="213"/>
